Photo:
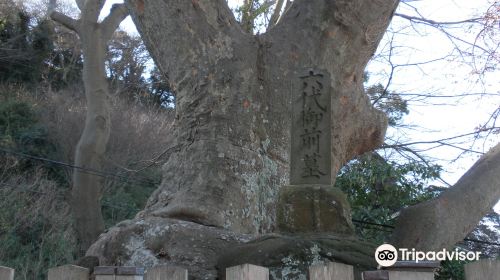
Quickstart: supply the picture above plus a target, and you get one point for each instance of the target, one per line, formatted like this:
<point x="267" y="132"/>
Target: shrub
<point x="35" y="231"/>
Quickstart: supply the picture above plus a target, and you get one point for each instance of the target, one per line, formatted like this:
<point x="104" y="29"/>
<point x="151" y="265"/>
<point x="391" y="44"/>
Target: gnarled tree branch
<point x="444" y="221"/>
<point x="118" y="13"/>
<point x="65" y="20"/>
<point x="328" y="29"/>
<point x="92" y="9"/>
<point x="198" y="26"/>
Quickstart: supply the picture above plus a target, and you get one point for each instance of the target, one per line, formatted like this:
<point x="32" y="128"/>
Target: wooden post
<point x="6" y="273"/>
<point x="166" y="272"/>
<point x="482" y="270"/>
<point x="331" y="271"/>
<point x="129" y="273"/>
<point x="247" y="272"/>
<point x="68" y="272"/>
<point x="104" y="272"/>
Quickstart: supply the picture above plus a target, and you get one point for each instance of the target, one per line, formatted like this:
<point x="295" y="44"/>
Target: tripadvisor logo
<point x="388" y="255"/>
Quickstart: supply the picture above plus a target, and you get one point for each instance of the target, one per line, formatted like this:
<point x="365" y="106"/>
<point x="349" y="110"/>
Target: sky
<point x="450" y="117"/>
<point x="444" y="117"/>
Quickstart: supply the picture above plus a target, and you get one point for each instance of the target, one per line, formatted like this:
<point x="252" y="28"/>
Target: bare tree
<point x="86" y="189"/>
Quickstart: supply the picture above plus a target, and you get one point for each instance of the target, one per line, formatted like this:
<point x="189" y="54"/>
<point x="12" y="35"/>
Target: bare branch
<point x="65" y="20"/>
<point x="391" y="75"/>
<point x="109" y="25"/>
<point x="441" y="140"/>
<point x="276" y="14"/>
<point x="433" y="22"/>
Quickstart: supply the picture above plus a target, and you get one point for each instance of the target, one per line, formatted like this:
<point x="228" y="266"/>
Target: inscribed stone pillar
<point x="310" y="203"/>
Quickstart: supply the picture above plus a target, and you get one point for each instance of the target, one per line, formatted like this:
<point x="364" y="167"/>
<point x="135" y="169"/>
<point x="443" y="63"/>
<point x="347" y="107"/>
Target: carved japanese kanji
<point x="311" y="151"/>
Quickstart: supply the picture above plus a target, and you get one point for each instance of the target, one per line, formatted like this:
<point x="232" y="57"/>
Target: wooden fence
<point x="480" y="270"/>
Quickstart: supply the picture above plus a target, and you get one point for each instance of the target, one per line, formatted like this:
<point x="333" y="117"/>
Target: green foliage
<point x="123" y="200"/>
<point x="23" y="48"/>
<point x="29" y="55"/>
<point x="21" y="131"/>
<point x="35" y="221"/>
<point x="34" y="229"/>
<point x="127" y="62"/>
<point x="451" y="270"/>
<point x="253" y="15"/>
<point x="160" y="92"/>
<point x="389" y="102"/>
<point x="377" y="188"/>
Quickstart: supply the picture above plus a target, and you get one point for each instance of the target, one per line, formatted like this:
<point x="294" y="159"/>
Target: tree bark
<point x="86" y="189"/>
<point x="448" y="219"/>
<point x="233" y="91"/>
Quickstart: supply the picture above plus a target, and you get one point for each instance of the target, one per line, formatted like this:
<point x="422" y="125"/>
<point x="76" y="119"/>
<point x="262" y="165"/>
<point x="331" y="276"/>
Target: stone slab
<point x="6" y="273"/>
<point x="105" y="270"/>
<point x="331" y="271"/>
<point x="167" y="272"/>
<point x="129" y="270"/>
<point x="129" y="277"/>
<point x="483" y="270"/>
<point x="313" y="208"/>
<point x="375" y="275"/>
<point x="421" y="266"/>
<point x="397" y="275"/>
<point x="68" y="272"/>
<point x="411" y="275"/>
<point x="247" y="272"/>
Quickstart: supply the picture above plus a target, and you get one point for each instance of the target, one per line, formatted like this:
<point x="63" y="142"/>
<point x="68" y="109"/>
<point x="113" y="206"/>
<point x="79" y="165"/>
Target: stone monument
<point x="310" y="203"/>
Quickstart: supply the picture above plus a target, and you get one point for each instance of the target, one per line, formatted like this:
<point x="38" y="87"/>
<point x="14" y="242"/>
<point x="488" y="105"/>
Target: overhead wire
<point x="87" y="170"/>
<point x="373" y="225"/>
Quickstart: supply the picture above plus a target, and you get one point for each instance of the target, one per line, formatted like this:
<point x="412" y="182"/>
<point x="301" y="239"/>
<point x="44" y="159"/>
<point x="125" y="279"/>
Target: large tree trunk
<point x="233" y="101"/>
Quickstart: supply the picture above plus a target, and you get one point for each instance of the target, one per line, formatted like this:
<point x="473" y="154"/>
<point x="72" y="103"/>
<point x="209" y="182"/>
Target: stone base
<point x="313" y="209"/>
<point x="289" y="257"/>
<point x="206" y="251"/>
<point x="151" y="241"/>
